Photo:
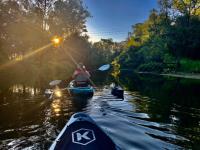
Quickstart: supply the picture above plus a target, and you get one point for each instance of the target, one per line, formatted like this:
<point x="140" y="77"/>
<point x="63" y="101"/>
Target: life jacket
<point x="81" y="76"/>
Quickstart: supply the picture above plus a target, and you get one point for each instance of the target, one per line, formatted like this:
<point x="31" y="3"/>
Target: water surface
<point x="157" y="113"/>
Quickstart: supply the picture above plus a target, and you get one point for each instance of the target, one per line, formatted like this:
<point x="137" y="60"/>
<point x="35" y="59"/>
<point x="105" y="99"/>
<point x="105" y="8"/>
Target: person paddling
<point x="81" y="76"/>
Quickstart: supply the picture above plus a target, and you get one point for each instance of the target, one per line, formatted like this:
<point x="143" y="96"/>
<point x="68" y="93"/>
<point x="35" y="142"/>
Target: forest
<point x="26" y="30"/>
<point x="168" y="41"/>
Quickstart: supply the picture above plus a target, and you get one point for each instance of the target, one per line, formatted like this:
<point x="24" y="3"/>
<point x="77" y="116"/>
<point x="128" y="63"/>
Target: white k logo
<point x="79" y="136"/>
<point x="83" y="136"/>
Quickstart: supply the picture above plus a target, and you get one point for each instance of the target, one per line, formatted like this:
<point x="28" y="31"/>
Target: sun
<point x="56" y="40"/>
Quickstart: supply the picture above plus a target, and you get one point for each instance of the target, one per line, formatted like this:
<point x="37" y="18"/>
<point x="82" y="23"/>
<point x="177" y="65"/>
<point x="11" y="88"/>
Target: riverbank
<point x="178" y="75"/>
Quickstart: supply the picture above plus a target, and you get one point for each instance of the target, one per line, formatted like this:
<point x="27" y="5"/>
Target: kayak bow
<point x="82" y="133"/>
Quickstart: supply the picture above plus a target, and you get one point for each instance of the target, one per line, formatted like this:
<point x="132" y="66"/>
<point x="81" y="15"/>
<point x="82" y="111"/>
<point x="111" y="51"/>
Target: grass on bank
<point x="190" y="66"/>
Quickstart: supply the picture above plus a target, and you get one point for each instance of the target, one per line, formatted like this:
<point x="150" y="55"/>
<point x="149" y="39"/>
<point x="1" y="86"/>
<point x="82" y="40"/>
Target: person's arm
<point x="74" y="74"/>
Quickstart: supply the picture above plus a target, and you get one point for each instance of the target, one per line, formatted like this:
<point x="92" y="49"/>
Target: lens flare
<point x="56" y="41"/>
<point x="26" y="56"/>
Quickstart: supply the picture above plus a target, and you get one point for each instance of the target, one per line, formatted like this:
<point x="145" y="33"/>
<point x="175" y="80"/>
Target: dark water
<point x="157" y="113"/>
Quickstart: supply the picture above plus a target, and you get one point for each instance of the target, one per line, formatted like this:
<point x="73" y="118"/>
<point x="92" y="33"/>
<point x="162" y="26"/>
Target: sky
<point x="114" y="18"/>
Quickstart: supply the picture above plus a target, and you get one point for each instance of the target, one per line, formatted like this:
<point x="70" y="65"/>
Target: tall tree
<point x="67" y="17"/>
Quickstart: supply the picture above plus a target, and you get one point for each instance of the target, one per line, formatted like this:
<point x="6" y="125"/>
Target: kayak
<point x="80" y="91"/>
<point x="117" y="91"/>
<point x="82" y="133"/>
<point x="77" y="92"/>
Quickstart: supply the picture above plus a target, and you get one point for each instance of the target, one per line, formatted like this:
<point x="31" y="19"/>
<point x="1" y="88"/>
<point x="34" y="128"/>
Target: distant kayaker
<point x="81" y="76"/>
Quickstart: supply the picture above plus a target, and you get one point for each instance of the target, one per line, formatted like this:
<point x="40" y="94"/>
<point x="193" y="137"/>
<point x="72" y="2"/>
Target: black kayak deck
<point x="83" y="135"/>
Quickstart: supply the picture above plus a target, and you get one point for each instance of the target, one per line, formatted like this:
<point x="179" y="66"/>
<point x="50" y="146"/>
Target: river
<point x="157" y="113"/>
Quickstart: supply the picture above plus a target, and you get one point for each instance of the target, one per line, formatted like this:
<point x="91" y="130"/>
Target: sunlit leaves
<point x="166" y="36"/>
<point x="116" y="69"/>
<point x="187" y="7"/>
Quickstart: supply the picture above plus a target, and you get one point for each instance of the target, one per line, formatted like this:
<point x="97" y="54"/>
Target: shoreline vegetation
<point x="166" y="43"/>
<point x="177" y="75"/>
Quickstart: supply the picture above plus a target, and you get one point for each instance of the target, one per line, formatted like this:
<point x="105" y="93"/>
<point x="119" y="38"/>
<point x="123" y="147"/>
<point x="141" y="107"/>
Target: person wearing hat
<point x="81" y="76"/>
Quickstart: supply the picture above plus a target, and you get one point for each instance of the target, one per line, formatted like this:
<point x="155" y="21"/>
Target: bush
<point x="190" y="66"/>
<point x="151" y="67"/>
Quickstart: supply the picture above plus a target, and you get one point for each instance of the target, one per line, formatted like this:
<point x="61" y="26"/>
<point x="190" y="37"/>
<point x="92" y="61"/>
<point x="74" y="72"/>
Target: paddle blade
<point x="104" y="67"/>
<point x="55" y="82"/>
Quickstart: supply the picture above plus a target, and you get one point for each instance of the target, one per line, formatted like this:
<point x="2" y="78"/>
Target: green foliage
<point x="116" y="70"/>
<point x="164" y="38"/>
<point x="151" y="67"/>
<point x="28" y="26"/>
<point x="183" y="39"/>
<point x="67" y="17"/>
<point x="186" y="7"/>
<point x="140" y="35"/>
<point x="105" y="51"/>
<point x="191" y="66"/>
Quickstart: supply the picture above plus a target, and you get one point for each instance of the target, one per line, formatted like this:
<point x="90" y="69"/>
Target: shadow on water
<point x="156" y="113"/>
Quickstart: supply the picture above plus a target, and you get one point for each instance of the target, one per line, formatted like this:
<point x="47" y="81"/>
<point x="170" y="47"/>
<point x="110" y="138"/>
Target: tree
<point x="27" y="25"/>
<point x="187" y="7"/>
<point x="67" y="17"/>
<point x="173" y="30"/>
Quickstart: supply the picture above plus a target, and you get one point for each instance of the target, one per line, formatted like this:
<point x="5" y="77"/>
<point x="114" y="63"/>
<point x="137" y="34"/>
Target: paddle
<point x="101" y="68"/>
<point x="104" y="67"/>
<point x="55" y="83"/>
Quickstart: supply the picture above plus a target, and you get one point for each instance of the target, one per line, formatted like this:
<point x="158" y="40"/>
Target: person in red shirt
<point x="81" y="76"/>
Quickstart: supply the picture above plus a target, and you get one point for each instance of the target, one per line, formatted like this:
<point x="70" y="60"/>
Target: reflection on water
<point x="157" y="113"/>
<point x="172" y="101"/>
<point x="24" y="89"/>
<point x="56" y="106"/>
